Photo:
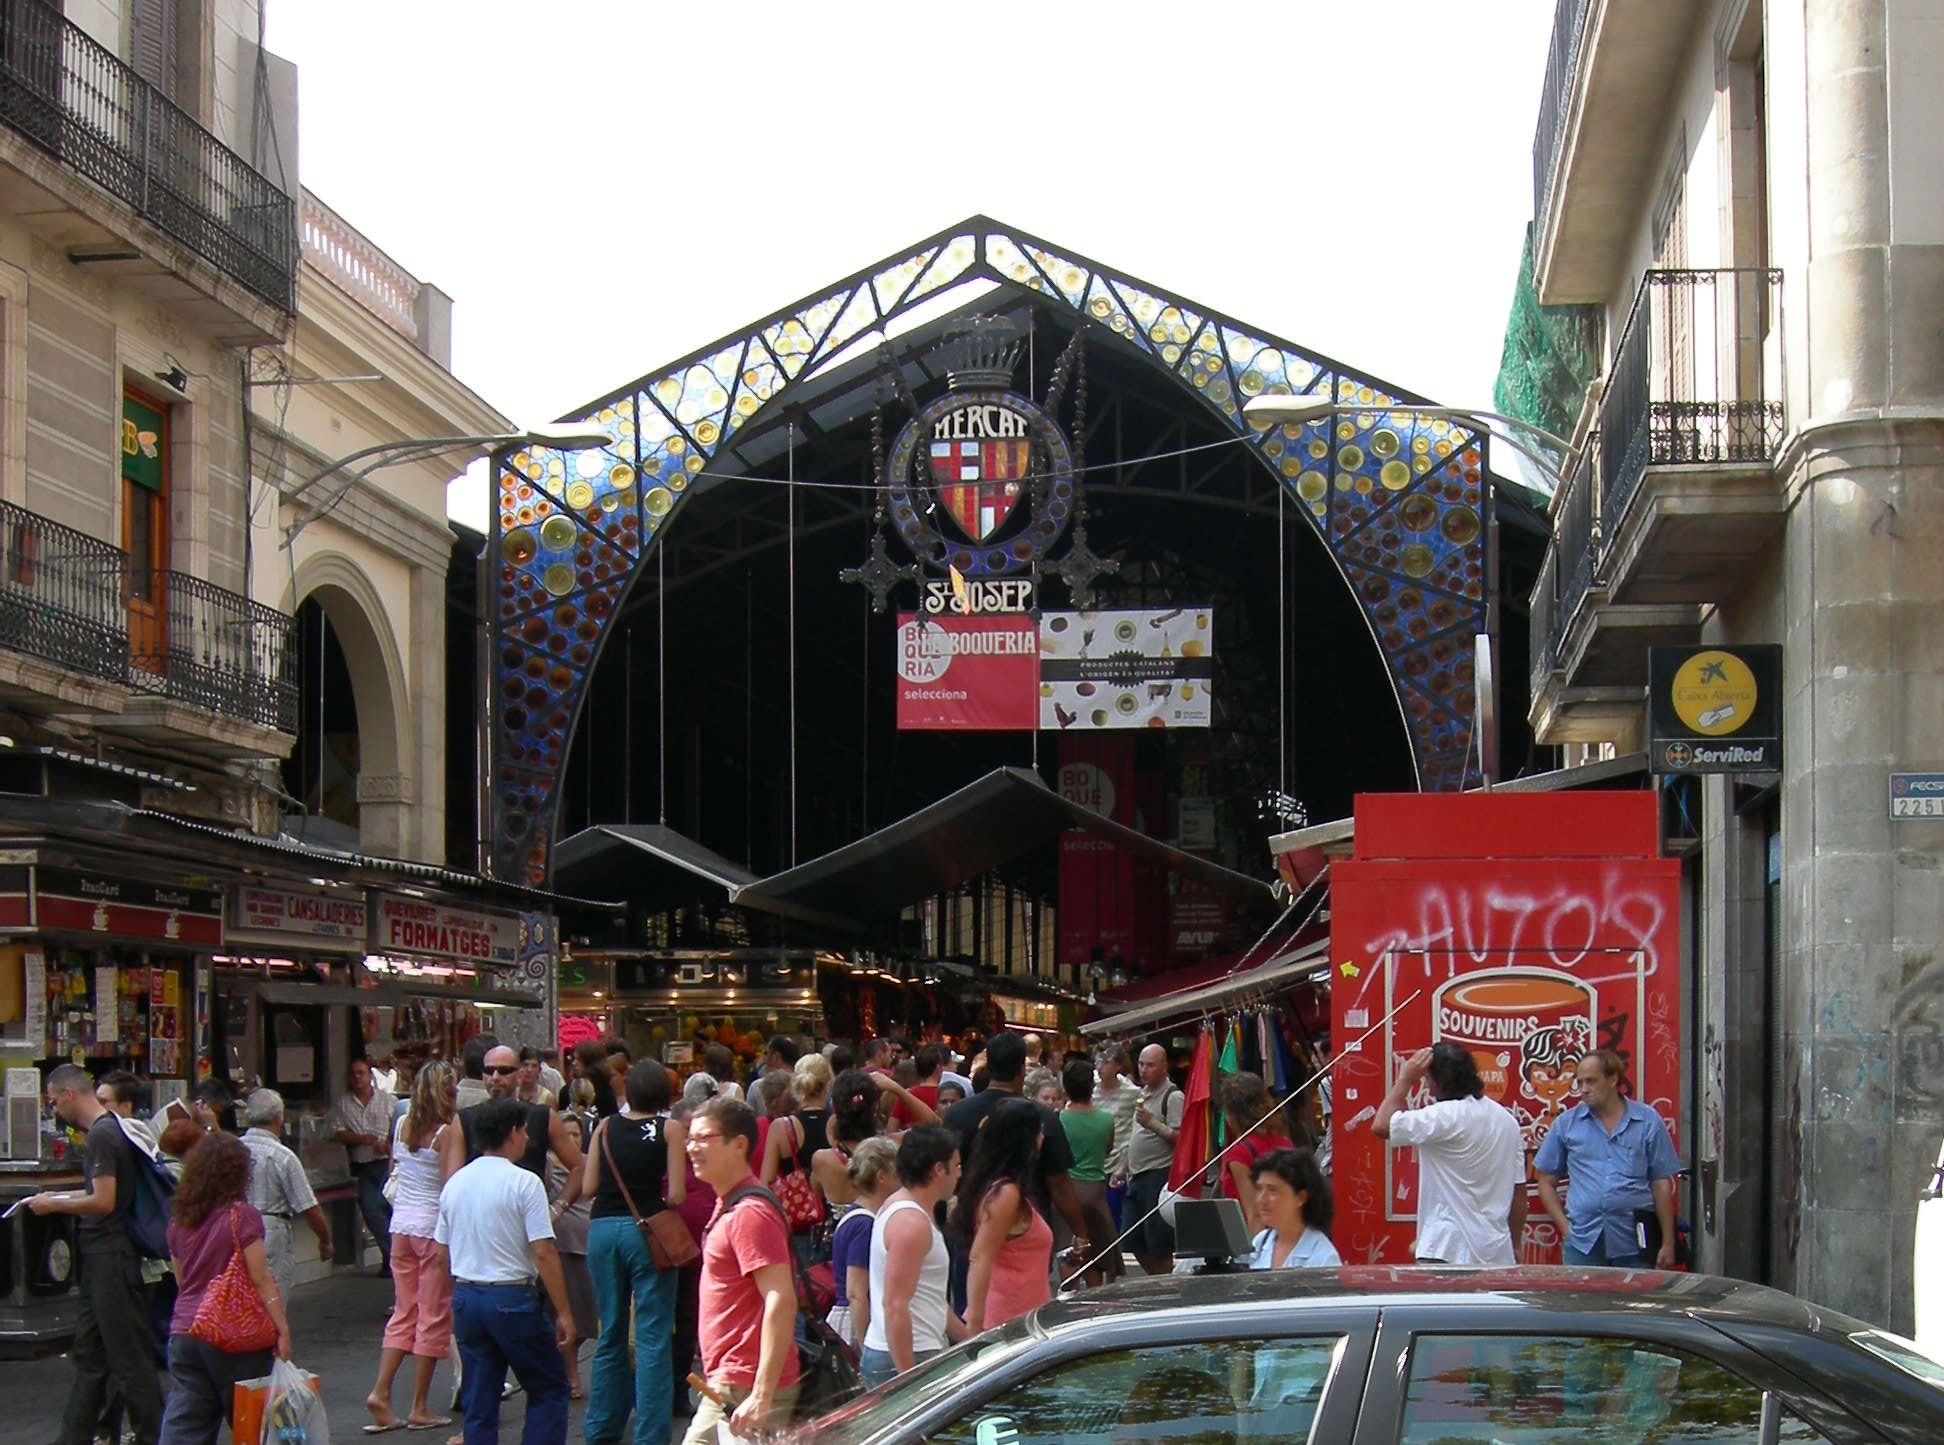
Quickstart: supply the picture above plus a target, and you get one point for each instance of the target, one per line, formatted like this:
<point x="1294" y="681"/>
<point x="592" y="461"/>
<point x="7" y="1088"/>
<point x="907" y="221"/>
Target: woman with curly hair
<point x="421" y="1317"/>
<point x="1008" y="1244"/>
<point x="1294" y="1208"/>
<point x="1252" y="1117"/>
<point x="211" y="1221"/>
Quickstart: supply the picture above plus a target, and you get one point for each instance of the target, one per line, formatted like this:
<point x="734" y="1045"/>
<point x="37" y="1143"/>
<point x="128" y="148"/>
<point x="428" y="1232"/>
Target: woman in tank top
<point x="1008" y="1245"/>
<point x="421" y="1317"/>
<point x="627" y="1165"/>
<point x="911" y="1318"/>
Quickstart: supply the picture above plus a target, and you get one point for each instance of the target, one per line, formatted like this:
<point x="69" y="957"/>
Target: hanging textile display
<point x="1191" y="1144"/>
<point x="1231" y="1062"/>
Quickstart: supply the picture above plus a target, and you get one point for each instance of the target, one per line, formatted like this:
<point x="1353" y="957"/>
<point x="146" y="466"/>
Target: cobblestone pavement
<point x="335" y="1326"/>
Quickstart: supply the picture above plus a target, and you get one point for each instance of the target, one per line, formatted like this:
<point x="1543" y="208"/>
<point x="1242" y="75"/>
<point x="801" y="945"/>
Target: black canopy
<point x="985" y="824"/>
<point x="646" y="864"/>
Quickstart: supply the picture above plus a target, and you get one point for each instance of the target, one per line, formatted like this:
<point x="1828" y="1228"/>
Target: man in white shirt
<point x="497" y="1234"/>
<point x="363" y="1120"/>
<point x="1471" y="1160"/>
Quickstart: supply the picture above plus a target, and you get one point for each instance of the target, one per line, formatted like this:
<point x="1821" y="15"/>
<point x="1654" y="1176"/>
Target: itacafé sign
<point x="1714" y="709"/>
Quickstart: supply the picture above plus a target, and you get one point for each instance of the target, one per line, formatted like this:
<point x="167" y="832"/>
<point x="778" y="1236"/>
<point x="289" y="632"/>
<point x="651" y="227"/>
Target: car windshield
<point x="1905" y="1354"/>
<point x="915" y="1390"/>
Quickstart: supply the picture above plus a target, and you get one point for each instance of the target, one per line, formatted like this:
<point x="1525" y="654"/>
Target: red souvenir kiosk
<point x="1530" y="928"/>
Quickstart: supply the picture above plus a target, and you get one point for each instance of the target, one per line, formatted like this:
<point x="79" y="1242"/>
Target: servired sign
<point x="967" y="674"/>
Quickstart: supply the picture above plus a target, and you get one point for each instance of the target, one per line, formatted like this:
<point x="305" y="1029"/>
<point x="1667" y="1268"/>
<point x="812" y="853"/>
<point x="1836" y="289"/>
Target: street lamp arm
<point x="1299" y="410"/>
<point x="1472" y="413"/>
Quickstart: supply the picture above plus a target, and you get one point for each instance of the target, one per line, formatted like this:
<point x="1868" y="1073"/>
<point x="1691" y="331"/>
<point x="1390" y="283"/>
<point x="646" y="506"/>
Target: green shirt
<point x="1090" y="1132"/>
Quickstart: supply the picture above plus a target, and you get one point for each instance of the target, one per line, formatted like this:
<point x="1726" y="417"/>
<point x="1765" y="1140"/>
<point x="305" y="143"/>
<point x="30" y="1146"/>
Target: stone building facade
<point x="1749" y="193"/>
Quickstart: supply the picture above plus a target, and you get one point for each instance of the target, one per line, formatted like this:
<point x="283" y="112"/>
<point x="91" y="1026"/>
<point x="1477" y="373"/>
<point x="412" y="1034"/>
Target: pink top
<point x="1019" y="1273"/>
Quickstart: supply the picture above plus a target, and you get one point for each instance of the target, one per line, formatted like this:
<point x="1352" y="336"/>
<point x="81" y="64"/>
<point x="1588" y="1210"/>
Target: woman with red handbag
<point x="229" y="1319"/>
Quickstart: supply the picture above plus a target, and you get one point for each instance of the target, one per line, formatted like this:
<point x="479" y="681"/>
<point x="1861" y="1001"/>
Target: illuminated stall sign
<point x="421" y="928"/>
<point x="74" y="901"/>
<point x="287" y="917"/>
<point x="967" y="674"/>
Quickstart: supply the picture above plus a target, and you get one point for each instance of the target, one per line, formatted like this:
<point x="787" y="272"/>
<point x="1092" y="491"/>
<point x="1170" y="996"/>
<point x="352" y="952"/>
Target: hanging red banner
<point x="968" y="674"/>
<point x="1097" y="888"/>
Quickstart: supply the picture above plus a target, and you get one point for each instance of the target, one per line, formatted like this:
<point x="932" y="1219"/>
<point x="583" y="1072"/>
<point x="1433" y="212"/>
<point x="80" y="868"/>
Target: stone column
<point x="1860" y="995"/>
<point x="426" y="678"/>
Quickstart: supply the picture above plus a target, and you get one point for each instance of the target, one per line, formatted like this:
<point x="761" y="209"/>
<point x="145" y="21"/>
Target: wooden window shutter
<point x="152" y="26"/>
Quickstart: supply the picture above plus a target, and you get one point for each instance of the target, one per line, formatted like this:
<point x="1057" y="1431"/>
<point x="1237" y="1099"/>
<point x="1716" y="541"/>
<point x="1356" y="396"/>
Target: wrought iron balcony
<point x="1544" y="637"/>
<point x="1696" y="380"/>
<point x="208" y="647"/>
<point x="80" y="103"/>
<point x="1556" y="98"/>
<point x="1576" y="540"/>
<point x="61" y="595"/>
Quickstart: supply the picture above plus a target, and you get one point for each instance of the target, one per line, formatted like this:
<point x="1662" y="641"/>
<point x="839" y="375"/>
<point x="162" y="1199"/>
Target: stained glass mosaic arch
<point x="1399" y="499"/>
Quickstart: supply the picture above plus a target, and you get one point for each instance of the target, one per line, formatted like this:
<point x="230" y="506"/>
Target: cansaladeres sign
<point x="333" y="922"/>
<point x="422" y="929"/>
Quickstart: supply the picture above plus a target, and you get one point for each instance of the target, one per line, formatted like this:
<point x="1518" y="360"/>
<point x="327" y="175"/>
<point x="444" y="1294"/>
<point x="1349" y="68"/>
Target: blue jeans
<point x="204" y="1389"/>
<point x="624" y="1273"/>
<point x="501" y="1327"/>
<point x="1599" y="1257"/>
<point x="876" y="1366"/>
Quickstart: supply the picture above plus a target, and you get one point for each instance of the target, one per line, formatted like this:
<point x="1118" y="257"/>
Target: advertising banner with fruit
<point x="1529" y="930"/>
<point x="967" y="674"/>
<point x="1131" y="669"/>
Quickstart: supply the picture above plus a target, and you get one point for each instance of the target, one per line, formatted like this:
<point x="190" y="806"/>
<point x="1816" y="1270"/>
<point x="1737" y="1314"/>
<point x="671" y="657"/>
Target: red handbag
<point x="231" y="1316"/>
<point x="797" y="1192"/>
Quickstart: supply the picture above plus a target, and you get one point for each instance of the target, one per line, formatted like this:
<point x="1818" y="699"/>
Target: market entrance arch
<point x="1398" y="502"/>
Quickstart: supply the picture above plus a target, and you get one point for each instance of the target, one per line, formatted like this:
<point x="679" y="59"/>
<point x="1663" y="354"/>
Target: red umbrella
<point x="1191" y="1144"/>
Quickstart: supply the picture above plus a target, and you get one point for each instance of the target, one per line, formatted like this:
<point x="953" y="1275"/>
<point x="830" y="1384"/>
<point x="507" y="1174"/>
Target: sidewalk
<point x="335" y="1325"/>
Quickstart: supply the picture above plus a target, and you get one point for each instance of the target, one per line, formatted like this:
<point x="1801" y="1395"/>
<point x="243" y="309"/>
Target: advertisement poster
<point x="967" y="674"/>
<point x="1131" y="669"/>
<point x="1529" y="931"/>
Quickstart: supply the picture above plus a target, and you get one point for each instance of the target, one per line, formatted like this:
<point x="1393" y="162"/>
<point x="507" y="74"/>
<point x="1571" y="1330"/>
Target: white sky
<point x="605" y="185"/>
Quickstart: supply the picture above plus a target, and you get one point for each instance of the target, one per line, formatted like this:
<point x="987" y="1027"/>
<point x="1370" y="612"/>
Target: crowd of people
<point x="524" y="1215"/>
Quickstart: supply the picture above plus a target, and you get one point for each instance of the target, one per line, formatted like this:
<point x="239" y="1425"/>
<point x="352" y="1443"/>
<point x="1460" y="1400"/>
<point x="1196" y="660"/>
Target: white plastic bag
<point x="293" y="1413"/>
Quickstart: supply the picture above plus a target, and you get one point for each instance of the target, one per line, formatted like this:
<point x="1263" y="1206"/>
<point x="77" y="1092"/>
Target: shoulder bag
<point x="231" y="1316"/>
<point x="670" y="1244"/>
<point x="796" y="1191"/>
<point x="829" y="1365"/>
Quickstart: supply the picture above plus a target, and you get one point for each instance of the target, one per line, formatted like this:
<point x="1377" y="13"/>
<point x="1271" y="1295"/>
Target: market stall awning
<point x="1310" y="960"/>
<point x="645" y="864"/>
<point x="984" y="825"/>
<point x="394" y="993"/>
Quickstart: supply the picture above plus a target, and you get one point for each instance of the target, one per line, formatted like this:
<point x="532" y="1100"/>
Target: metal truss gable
<point x="1400" y="500"/>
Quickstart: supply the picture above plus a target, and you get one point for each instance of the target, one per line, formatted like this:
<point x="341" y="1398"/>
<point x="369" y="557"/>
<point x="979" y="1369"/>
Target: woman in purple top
<point x="873" y="1171"/>
<point x="212" y="1220"/>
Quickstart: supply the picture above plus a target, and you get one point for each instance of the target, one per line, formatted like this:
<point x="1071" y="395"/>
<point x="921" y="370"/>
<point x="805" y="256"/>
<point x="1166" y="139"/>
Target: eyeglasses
<point x="704" y="1138"/>
<point x="502" y="1068"/>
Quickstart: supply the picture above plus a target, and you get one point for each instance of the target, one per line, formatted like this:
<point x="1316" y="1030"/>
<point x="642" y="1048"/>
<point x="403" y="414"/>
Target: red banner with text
<point x="968" y="674"/>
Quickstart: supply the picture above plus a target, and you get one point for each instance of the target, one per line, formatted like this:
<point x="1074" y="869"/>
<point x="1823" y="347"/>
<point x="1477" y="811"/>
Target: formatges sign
<point x="423" y="929"/>
<point x="326" y="922"/>
<point x="1714" y="709"/>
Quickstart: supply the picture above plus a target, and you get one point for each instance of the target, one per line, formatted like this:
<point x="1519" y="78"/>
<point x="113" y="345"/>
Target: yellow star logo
<point x="1349" y="969"/>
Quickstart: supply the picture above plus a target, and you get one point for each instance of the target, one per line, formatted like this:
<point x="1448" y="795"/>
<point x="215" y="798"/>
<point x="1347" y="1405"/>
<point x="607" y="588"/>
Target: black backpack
<point x="829" y="1370"/>
<point x="147" y="1220"/>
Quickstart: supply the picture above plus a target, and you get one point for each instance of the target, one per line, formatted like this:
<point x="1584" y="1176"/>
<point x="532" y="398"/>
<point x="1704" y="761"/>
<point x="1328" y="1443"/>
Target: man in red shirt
<point x="748" y="1302"/>
<point x="931" y="1068"/>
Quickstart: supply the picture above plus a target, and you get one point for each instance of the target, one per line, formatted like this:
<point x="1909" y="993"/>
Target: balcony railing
<point x="348" y="257"/>
<point x="1556" y="98"/>
<point x="1696" y="380"/>
<point x="1578" y="535"/>
<point x="80" y="103"/>
<point x="215" y="650"/>
<point x="1545" y="609"/>
<point x="61" y="595"/>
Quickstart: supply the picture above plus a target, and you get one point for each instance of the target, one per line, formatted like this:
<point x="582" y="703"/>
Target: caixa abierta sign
<point x="1714" y="709"/>
<point x="421" y="928"/>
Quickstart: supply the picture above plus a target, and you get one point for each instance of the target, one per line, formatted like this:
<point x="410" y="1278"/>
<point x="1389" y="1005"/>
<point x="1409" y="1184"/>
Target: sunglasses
<point x="502" y="1068"/>
<point x="704" y="1138"/>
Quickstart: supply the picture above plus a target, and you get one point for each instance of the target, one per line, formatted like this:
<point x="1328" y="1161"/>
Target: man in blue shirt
<point x="1617" y="1157"/>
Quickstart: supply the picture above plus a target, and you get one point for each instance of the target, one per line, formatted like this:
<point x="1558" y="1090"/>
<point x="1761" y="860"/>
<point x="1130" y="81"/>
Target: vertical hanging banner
<point x="967" y="674"/>
<point x="1150" y="668"/>
<point x="1097" y="885"/>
